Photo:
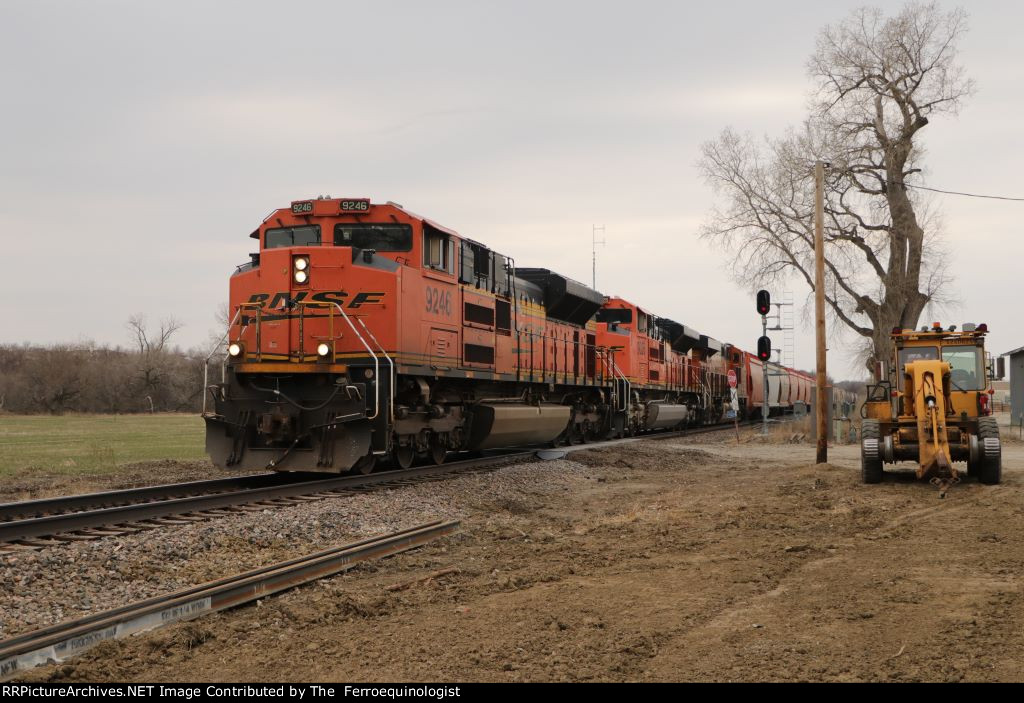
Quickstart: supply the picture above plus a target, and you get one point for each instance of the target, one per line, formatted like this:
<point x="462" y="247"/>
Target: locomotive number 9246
<point x="360" y="205"/>
<point x="439" y="302"/>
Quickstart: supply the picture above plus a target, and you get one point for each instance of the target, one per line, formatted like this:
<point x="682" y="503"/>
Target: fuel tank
<point x="501" y="425"/>
<point x="662" y="415"/>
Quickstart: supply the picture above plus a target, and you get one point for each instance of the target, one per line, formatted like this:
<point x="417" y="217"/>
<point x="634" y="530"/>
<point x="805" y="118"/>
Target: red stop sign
<point x="732" y="378"/>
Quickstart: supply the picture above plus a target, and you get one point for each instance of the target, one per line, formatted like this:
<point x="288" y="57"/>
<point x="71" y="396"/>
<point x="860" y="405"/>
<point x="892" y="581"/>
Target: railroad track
<point x="93" y="501"/>
<point x="41" y="523"/>
<point x="64" y="640"/>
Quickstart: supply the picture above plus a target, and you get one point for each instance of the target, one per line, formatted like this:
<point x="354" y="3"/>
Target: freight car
<point x="362" y="331"/>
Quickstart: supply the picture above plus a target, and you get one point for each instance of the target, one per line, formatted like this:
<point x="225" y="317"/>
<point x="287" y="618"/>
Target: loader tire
<point x="870" y="457"/>
<point x="990" y="470"/>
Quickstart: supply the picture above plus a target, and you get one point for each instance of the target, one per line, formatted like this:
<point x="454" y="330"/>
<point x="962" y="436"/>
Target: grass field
<point x="95" y="444"/>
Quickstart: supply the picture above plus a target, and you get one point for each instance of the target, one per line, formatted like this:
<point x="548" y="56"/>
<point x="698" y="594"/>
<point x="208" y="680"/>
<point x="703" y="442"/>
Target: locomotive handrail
<point x="376" y="359"/>
<point x="206" y="362"/>
<point x="391" y="384"/>
<point x="609" y="362"/>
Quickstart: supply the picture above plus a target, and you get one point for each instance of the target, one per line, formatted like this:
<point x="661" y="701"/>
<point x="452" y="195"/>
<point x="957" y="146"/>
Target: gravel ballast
<point x="75" y="579"/>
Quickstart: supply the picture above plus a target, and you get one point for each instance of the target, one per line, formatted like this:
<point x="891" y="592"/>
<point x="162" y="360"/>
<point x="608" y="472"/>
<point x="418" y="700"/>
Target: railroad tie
<point x="103" y="532"/>
<point x="72" y="537"/>
<point x="16" y="547"/>
<point x="37" y="542"/>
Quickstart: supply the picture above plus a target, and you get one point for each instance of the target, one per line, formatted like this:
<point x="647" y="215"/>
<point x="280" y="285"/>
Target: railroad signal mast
<point x="764" y="351"/>
<point x="764" y="344"/>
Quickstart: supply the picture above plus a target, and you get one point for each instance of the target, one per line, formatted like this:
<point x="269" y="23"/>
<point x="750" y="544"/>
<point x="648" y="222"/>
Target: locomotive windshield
<point x="305" y="236"/>
<point x="386" y="237"/>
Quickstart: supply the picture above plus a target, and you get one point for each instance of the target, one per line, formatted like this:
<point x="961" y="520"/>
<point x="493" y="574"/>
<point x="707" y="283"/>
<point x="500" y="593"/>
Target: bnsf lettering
<point x="282" y="298"/>
<point x="365" y="299"/>
<point x="327" y="296"/>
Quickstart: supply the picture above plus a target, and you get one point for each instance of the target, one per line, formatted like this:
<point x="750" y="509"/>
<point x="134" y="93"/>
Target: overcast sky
<point x="143" y="141"/>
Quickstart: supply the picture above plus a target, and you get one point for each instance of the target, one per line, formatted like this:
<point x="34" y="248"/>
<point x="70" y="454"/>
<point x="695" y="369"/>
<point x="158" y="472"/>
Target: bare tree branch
<point x="877" y="82"/>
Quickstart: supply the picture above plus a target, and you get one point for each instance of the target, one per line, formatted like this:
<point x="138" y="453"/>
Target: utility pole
<point x="766" y="409"/>
<point x="593" y="251"/>
<point x="819" y="309"/>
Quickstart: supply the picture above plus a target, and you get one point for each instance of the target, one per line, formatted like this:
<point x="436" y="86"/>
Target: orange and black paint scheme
<point x="363" y="332"/>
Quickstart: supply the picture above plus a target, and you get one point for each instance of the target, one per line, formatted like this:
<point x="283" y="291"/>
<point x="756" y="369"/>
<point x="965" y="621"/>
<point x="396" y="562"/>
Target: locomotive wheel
<point x="618" y="427"/>
<point x="438" y="452"/>
<point x="403" y="456"/>
<point x="573" y="435"/>
<point x="365" y="465"/>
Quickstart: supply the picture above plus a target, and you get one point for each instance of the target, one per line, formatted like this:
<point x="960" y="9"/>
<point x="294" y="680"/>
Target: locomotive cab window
<point x="476" y="265"/>
<point x="438" y="250"/>
<point x="383" y="237"/>
<point x="618" y="316"/>
<point x="304" y="236"/>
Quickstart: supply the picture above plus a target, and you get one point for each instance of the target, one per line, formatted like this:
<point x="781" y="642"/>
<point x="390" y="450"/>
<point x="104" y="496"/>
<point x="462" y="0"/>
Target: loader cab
<point x="963" y="349"/>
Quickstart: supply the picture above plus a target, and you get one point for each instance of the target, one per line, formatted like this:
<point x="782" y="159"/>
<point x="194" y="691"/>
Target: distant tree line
<point x="149" y="376"/>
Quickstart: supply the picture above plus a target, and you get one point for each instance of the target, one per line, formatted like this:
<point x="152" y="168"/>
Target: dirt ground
<point x="669" y="561"/>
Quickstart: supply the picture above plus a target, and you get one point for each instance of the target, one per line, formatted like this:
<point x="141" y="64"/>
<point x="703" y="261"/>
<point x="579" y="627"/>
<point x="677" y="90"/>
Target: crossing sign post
<point x="734" y="402"/>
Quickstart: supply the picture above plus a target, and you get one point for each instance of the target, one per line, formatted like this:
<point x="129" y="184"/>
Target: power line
<point x="968" y="195"/>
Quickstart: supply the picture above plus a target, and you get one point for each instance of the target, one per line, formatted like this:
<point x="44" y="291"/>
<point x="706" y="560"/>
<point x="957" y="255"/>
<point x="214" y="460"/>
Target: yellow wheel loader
<point x="934" y="407"/>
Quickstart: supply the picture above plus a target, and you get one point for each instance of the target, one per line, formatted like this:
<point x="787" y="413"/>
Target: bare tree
<point x="877" y="83"/>
<point x="151" y="342"/>
<point x="154" y="363"/>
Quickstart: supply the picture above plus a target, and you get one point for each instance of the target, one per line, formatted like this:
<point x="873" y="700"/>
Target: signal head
<point x="764" y="302"/>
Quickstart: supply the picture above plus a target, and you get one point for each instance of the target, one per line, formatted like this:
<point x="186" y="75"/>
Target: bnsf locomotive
<point x="362" y="331"/>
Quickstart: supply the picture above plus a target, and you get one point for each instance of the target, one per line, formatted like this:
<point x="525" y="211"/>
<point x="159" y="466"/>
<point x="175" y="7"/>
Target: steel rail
<point x="58" y="642"/>
<point x="49" y="525"/>
<point x="133" y="516"/>
<point x="106" y="499"/>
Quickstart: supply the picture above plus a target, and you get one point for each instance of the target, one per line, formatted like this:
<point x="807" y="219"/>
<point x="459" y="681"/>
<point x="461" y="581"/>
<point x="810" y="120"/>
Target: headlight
<point x="300" y="269"/>
<point x="323" y="349"/>
<point x="234" y="349"/>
